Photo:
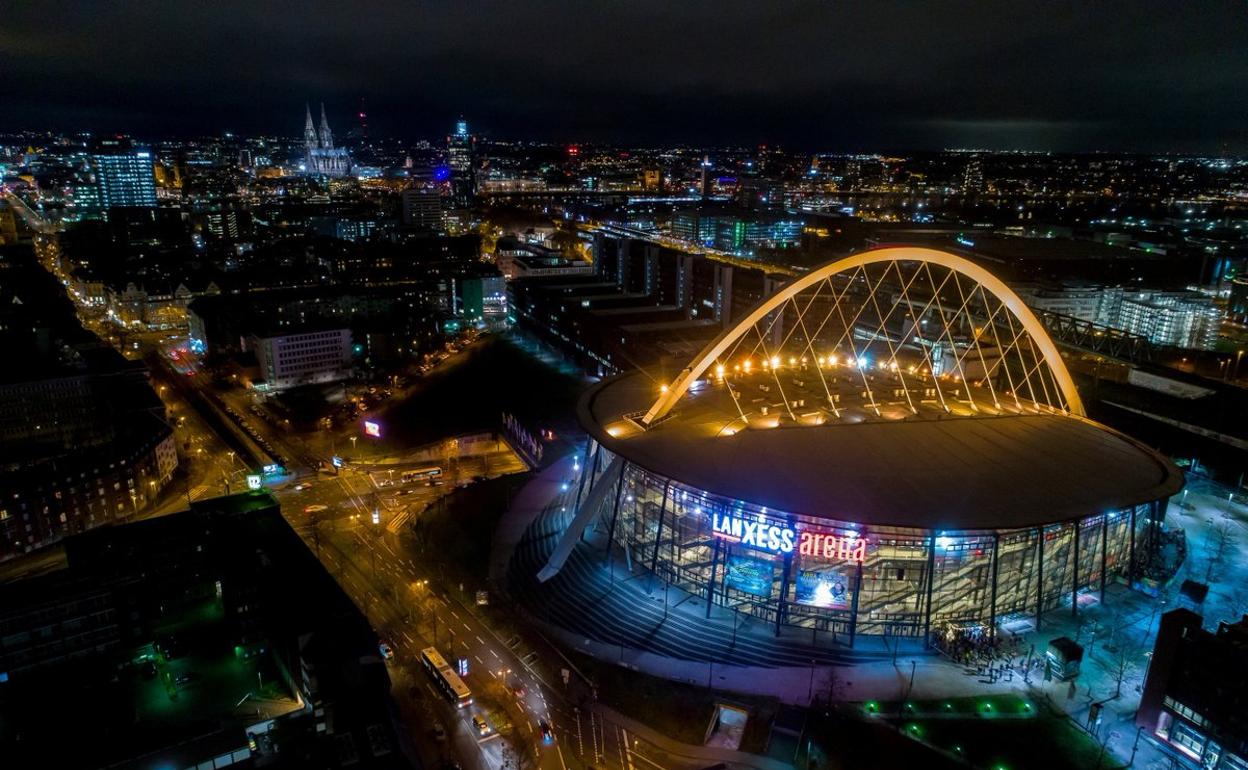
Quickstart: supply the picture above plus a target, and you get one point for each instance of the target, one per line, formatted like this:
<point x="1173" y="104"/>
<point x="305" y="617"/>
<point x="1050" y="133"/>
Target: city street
<point x="512" y="683"/>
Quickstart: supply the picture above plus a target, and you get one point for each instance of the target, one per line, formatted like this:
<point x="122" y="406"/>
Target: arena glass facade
<point x="840" y="578"/>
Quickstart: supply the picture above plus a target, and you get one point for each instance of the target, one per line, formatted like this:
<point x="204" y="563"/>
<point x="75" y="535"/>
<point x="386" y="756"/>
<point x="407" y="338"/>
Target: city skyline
<point x="571" y="386"/>
<point x="1102" y="78"/>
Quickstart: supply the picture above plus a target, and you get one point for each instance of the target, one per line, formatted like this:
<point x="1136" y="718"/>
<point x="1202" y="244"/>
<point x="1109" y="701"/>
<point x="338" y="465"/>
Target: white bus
<point x="448" y="681"/>
<point x="421" y="474"/>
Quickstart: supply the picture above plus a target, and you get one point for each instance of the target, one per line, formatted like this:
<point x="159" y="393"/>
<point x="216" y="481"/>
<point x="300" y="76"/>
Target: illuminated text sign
<point x="755" y="534"/>
<point x="780" y="538"/>
<point x="832" y="547"/>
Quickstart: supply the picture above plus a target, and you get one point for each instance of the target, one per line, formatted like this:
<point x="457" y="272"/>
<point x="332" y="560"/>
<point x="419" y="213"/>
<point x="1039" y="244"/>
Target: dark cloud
<point x="1141" y="74"/>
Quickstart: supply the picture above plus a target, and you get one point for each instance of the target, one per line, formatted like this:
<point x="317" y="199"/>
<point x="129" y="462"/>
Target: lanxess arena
<point x="891" y="445"/>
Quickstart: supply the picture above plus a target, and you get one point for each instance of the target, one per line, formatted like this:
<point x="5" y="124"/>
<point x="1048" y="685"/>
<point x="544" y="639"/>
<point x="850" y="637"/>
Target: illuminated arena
<point x="891" y="445"/>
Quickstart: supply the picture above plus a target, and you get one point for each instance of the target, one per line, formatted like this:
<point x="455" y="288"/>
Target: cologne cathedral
<point x="322" y="158"/>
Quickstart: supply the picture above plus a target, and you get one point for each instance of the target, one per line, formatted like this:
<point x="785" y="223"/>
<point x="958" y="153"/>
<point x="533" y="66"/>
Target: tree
<point x="1120" y="663"/>
<point x="1221" y="538"/>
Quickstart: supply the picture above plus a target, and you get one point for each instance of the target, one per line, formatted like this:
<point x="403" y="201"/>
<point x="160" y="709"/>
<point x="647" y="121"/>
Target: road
<point x="411" y="607"/>
<point x="517" y="683"/>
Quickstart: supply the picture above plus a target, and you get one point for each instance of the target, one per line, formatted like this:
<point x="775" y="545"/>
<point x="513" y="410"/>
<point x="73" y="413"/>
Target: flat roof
<point x="929" y="471"/>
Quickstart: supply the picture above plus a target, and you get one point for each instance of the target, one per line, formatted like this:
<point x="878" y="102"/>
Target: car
<point x="482" y="727"/>
<point x="303" y="485"/>
<point x="438" y="732"/>
<point x="185" y="678"/>
<point x="548" y="735"/>
<point x="387" y="652"/>
<point x="518" y="691"/>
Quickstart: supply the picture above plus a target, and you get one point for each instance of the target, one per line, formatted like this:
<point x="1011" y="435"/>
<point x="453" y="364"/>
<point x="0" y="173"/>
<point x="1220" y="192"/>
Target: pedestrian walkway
<point x="709" y="754"/>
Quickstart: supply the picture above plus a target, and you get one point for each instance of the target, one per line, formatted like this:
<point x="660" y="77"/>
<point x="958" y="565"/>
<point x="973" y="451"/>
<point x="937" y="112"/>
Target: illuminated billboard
<point x="824" y="587"/>
<point x="372" y="428"/>
<point x="751" y="576"/>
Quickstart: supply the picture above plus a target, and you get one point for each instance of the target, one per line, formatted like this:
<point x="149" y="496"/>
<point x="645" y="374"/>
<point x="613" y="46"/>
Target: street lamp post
<point x="810" y="693"/>
<point x="1135" y="746"/>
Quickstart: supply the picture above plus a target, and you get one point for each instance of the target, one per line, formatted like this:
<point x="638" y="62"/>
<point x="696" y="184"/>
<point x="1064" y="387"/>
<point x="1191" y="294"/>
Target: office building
<point x="1196" y="692"/>
<point x="736" y="231"/>
<point x="1184" y="319"/>
<point x="459" y="156"/>
<point x="422" y="209"/>
<point x="288" y="360"/>
<point x="124" y="174"/>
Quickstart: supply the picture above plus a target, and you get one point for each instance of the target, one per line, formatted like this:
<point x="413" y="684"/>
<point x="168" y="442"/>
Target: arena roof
<point x="929" y="471"/>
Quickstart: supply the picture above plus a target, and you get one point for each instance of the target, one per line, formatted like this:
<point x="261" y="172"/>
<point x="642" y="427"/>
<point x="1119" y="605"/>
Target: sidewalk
<point x="708" y="754"/>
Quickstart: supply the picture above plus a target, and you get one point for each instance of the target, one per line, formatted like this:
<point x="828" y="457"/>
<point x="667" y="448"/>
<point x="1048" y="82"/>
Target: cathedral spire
<point x="309" y="129"/>
<point x="310" y="136"/>
<point x="327" y="138"/>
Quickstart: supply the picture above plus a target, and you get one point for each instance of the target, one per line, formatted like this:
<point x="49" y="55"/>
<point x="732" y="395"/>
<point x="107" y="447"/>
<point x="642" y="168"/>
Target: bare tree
<point x="1120" y="663"/>
<point x="1221" y="538"/>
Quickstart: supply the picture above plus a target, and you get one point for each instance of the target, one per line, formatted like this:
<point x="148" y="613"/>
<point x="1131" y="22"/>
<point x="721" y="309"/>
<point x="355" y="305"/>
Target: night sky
<point x="829" y="75"/>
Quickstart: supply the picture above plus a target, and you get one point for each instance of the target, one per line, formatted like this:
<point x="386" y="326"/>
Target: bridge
<point x="1079" y="334"/>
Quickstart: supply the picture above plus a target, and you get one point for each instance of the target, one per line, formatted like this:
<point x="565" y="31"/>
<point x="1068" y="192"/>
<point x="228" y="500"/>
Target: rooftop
<point x="872" y="463"/>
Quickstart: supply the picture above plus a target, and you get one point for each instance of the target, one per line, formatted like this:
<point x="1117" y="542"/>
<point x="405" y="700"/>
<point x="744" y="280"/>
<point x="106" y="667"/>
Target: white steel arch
<point x="951" y="262"/>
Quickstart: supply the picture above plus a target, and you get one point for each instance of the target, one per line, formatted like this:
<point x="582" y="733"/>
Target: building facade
<point x="848" y="579"/>
<point x="460" y="158"/>
<point x="302" y="358"/>
<point x="422" y="209"/>
<point x="124" y="175"/>
<point x="1196" y="692"/>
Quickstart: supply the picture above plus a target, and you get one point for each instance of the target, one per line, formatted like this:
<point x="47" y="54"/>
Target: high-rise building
<point x="422" y="209"/>
<point x="459" y="155"/>
<point x="125" y="174"/>
<point x="706" y="176"/>
<point x="973" y="175"/>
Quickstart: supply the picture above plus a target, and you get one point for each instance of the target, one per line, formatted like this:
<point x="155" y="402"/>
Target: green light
<point x="948" y="707"/>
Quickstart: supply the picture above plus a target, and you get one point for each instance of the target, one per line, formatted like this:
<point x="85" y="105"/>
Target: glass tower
<point x="125" y="178"/>
<point x="459" y="146"/>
